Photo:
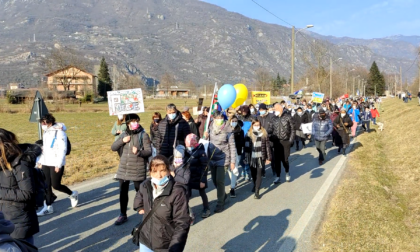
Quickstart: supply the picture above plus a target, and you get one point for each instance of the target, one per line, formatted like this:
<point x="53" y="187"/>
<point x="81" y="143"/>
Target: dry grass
<point x="89" y="130"/>
<point x="377" y="204"/>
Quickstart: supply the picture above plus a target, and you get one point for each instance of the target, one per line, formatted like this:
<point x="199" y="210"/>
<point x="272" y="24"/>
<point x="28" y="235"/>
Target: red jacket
<point x="374" y="113"/>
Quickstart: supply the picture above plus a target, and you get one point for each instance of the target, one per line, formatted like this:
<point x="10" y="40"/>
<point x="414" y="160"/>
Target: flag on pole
<point x="214" y="105"/>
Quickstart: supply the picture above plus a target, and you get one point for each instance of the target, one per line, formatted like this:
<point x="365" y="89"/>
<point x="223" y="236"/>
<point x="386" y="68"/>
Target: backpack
<point x="68" y="144"/>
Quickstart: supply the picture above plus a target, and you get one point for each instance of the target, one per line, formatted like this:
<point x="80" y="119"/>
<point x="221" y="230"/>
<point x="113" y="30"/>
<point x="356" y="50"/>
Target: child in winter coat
<point x="366" y="117"/>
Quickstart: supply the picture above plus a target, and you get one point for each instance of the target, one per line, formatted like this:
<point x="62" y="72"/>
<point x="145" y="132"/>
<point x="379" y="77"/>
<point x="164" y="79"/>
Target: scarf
<point x="256" y="155"/>
<point x="217" y="129"/>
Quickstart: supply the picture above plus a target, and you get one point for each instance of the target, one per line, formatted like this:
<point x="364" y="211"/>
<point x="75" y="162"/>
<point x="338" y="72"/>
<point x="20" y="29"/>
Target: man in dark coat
<point x="265" y="118"/>
<point x="173" y="130"/>
<point x="298" y="119"/>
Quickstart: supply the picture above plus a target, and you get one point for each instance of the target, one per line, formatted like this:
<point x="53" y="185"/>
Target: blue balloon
<point x="226" y="96"/>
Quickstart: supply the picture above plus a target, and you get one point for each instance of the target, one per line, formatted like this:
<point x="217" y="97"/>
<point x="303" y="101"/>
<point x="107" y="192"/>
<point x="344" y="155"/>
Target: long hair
<point x="8" y="148"/>
<point x="251" y="129"/>
<point x="120" y="122"/>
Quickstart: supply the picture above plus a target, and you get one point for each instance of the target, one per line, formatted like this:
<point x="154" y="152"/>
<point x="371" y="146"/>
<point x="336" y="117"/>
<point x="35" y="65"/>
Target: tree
<point x="263" y="79"/>
<point x="166" y="82"/>
<point x="105" y="83"/>
<point x="69" y="61"/>
<point x="278" y="83"/>
<point x="129" y="81"/>
<point x="375" y="79"/>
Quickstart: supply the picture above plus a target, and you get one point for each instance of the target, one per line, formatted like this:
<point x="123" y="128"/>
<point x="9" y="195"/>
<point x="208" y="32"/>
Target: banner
<point x="260" y="97"/>
<point x="317" y="97"/>
<point x="306" y="128"/>
<point x="122" y="102"/>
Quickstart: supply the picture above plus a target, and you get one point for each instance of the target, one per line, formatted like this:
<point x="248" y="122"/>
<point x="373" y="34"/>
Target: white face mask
<point x="354" y="107"/>
<point x="299" y="113"/>
<point x="256" y="128"/>
<point x="277" y="113"/>
<point x="44" y="127"/>
<point x="233" y="124"/>
<point x="171" y="116"/>
<point x="343" y="115"/>
<point x="252" y="110"/>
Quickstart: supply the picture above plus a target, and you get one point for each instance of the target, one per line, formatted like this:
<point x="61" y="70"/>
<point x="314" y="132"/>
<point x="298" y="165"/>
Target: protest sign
<point x="306" y="128"/>
<point x="123" y="102"/>
<point x="260" y="97"/>
<point x="317" y="97"/>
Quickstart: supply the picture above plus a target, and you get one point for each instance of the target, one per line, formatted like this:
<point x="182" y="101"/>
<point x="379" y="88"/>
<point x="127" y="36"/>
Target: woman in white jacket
<point x="53" y="161"/>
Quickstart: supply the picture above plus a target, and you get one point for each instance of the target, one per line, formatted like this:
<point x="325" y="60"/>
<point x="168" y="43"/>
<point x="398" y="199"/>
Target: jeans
<point x="366" y="125"/>
<point x="374" y="120"/>
<point x="232" y="176"/>
<point x="143" y="248"/>
<point x="218" y="177"/>
<point x="320" y="147"/>
<point x="282" y="150"/>
<point x="243" y="165"/>
<point x="124" y="188"/>
<point x="53" y="180"/>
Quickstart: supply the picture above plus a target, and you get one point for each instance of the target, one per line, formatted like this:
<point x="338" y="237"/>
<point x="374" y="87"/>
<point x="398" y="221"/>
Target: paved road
<point x="282" y="220"/>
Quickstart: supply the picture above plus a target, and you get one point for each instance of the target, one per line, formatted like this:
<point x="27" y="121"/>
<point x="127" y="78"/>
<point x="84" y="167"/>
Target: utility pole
<point x="330" y="77"/>
<point x="358" y="86"/>
<point x="292" y="78"/>
<point x="354" y="80"/>
<point x="154" y="85"/>
<point x="401" y="80"/>
<point x="419" y="76"/>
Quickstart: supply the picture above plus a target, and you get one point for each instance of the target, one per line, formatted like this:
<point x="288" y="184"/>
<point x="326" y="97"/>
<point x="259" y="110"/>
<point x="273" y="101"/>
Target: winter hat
<point x="321" y="111"/>
<point x="263" y="106"/>
<point x="186" y="108"/>
<point x="40" y="143"/>
<point x="131" y="117"/>
<point x="192" y="140"/>
<point x="179" y="151"/>
<point x="343" y="109"/>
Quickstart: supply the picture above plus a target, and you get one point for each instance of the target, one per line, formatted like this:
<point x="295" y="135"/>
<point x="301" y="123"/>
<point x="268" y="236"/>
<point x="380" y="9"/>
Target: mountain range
<point x="189" y="39"/>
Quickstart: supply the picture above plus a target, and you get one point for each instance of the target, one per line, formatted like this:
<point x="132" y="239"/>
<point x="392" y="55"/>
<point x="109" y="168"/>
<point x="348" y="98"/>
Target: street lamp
<point x="331" y="62"/>
<point x="354" y="80"/>
<point x="347" y="79"/>
<point x="292" y="78"/>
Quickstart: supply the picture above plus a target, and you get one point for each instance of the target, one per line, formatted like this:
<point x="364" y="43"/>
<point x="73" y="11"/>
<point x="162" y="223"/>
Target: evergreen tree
<point x="104" y="80"/>
<point x="377" y="79"/>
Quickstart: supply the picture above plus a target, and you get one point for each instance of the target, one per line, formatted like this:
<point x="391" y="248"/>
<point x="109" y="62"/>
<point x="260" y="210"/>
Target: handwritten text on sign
<point x="128" y="101"/>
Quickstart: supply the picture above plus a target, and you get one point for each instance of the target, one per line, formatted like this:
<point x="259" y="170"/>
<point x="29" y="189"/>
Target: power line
<point x="272" y="13"/>
<point x="412" y="64"/>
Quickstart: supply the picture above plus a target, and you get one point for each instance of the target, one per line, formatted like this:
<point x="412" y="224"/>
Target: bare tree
<point x="166" y="82"/>
<point x="263" y="79"/>
<point x="67" y="61"/>
<point x="129" y="81"/>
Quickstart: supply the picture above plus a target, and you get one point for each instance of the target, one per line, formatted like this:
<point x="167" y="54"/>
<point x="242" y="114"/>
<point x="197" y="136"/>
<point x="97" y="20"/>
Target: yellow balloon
<point x="241" y="95"/>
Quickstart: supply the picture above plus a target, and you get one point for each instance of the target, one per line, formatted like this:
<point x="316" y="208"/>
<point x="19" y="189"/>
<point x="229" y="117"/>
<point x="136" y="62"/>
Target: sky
<point x="355" y="18"/>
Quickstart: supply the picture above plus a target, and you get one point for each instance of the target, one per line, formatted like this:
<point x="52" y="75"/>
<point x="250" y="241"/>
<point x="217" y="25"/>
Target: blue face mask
<point x="190" y="149"/>
<point x="262" y="112"/>
<point x="160" y="182"/>
<point x="171" y="116"/>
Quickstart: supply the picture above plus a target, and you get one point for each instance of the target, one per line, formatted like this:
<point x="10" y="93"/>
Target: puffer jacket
<point x="132" y="166"/>
<point x="239" y="138"/>
<point x="281" y="128"/>
<point x="168" y="227"/>
<point x="265" y="120"/>
<point x="265" y="145"/>
<point x="54" y="146"/>
<point x="17" y="193"/>
<point x="7" y="243"/>
<point x="154" y="131"/>
<point x="321" y="129"/>
<point x="166" y="138"/>
<point x="222" y="145"/>
<point x="198" y="165"/>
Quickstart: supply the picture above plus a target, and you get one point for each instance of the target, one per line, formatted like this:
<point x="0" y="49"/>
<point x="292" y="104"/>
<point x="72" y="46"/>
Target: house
<point x="13" y="86"/>
<point x="173" y="91"/>
<point x="72" y="78"/>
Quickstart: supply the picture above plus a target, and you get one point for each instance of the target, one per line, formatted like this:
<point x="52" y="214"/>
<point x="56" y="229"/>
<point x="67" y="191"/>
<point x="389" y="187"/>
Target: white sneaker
<point x="45" y="211"/>
<point x="276" y="180"/>
<point x="74" y="198"/>
<point x="287" y="177"/>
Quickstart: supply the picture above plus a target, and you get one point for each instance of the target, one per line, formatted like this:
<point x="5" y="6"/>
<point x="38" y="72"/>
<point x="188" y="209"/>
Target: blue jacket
<point x="321" y="129"/>
<point x="347" y="106"/>
<point x="366" y="116"/>
<point x="356" y="112"/>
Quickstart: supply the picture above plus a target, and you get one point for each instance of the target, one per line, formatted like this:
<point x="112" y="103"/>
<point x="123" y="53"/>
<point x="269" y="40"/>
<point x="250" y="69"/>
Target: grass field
<point x="376" y="206"/>
<point x="89" y="130"/>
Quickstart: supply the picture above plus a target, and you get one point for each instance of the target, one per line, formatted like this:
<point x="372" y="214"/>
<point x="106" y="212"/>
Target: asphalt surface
<point x="246" y="224"/>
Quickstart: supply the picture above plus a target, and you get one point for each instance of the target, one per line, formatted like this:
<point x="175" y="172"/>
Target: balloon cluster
<point x="229" y="95"/>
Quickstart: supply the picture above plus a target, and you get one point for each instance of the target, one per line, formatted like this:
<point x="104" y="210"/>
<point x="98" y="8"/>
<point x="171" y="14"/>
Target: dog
<point x="380" y="126"/>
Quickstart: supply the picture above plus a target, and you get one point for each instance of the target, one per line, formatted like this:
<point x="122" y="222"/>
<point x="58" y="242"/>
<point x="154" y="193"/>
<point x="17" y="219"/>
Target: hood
<point x="6" y="226"/>
<point x="30" y="152"/>
<point x="58" y="126"/>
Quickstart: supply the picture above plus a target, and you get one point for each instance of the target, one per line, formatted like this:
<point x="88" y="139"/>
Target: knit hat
<point x="191" y="140"/>
<point x="321" y="111"/>
<point x="179" y="151"/>
<point x="263" y="106"/>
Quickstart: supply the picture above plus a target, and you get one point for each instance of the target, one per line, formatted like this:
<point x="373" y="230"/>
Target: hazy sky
<point x="354" y="18"/>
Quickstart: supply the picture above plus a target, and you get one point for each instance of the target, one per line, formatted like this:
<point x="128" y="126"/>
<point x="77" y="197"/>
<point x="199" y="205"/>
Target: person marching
<point x="343" y="124"/>
<point x="257" y="153"/>
<point x="298" y="119"/>
<point x="53" y="161"/>
<point x="154" y="130"/>
<point x="119" y="127"/>
<point x="135" y="148"/>
<point x="375" y="114"/>
<point x="321" y="129"/>
<point x="239" y="138"/>
<point x="354" y="113"/>
<point x="366" y="118"/>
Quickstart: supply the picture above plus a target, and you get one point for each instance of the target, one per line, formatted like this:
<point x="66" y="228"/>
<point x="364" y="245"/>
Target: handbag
<point x="136" y="230"/>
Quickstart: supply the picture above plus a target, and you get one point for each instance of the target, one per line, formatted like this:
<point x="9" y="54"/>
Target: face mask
<point x="134" y="125"/>
<point x="354" y="107"/>
<point x="218" y="122"/>
<point x="256" y="128"/>
<point x="324" y="108"/>
<point x="270" y="112"/>
<point x="156" y="120"/>
<point x="343" y="115"/>
<point x="233" y="124"/>
<point x="44" y="127"/>
<point x="290" y="109"/>
<point x="178" y="160"/>
<point x="160" y="182"/>
<point x="190" y="149"/>
<point x="277" y="113"/>
<point x="252" y="110"/>
<point x="263" y="112"/>
<point x="333" y="104"/>
<point x="299" y="113"/>
<point x="171" y="116"/>
<point x="323" y="117"/>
